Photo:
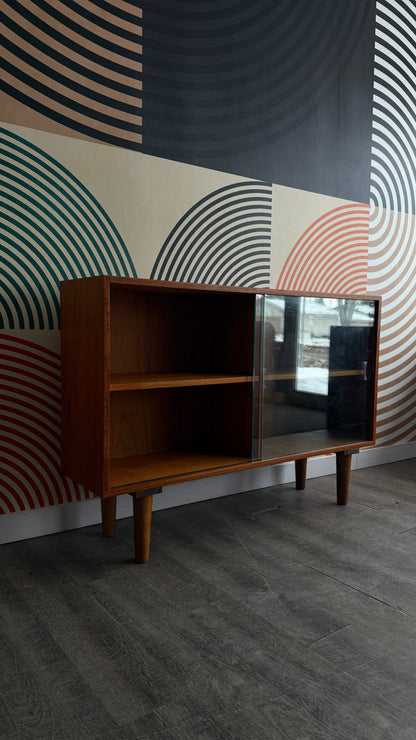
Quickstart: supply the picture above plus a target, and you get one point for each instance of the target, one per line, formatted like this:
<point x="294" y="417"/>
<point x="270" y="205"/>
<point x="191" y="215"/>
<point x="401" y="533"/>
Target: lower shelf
<point x="139" y="469"/>
<point x="138" y="472"/>
<point x="286" y="445"/>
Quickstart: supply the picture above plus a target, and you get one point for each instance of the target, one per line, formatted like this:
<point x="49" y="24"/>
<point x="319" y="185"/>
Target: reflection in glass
<point x="318" y="359"/>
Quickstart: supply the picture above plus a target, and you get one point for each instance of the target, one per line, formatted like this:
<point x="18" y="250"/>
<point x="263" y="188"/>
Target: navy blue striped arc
<point x="224" y="239"/>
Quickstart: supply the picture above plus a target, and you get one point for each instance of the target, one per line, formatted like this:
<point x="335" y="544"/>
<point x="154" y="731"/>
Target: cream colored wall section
<point x="144" y="196"/>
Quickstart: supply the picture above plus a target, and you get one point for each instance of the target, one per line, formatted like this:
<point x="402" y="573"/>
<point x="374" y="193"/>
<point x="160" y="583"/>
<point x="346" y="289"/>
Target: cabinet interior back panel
<point x="217" y="419"/>
<point x="161" y="332"/>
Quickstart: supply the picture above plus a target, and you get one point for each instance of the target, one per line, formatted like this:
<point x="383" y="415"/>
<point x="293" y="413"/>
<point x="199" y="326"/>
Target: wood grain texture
<point x="300" y="472"/>
<point x="293" y="374"/>
<point x="173" y="331"/>
<point x="85" y="378"/>
<point x="142" y="523"/>
<point x="343" y="463"/>
<point x="141" y="470"/>
<point x="108" y="516"/>
<point x="308" y="443"/>
<point x="143" y="381"/>
<point x="210" y="419"/>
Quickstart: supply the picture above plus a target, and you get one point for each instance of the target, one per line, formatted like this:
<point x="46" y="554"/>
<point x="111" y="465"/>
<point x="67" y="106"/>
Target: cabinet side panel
<point x="85" y="371"/>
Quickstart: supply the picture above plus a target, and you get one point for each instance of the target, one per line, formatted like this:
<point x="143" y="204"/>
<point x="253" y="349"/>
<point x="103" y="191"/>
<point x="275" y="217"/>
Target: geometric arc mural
<point x="332" y="254"/>
<point x="222" y="91"/>
<point x="248" y="88"/>
<point x="73" y="68"/>
<point x="51" y="229"/>
<point x="392" y="245"/>
<point x="30" y="429"/>
<point x="223" y="239"/>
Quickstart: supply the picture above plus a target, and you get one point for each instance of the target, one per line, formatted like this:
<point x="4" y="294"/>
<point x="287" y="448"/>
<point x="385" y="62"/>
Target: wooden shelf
<point x="291" y="375"/>
<point x="304" y="442"/>
<point x="143" y="381"/>
<point x="127" y="471"/>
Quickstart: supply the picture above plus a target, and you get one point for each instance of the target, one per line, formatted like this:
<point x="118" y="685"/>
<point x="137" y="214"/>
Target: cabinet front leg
<point x="108" y="516"/>
<point x="343" y="476"/>
<point x="300" y="473"/>
<point x="142" y="522"/>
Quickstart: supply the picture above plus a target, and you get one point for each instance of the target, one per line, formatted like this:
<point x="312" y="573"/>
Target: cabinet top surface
<point x="170" y="286"/>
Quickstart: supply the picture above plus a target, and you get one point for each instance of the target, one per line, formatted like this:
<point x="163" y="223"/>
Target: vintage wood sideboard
<point x="165" y="382"/>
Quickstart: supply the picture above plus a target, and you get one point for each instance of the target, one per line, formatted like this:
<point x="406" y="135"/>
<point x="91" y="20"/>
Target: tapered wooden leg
<point x="108" y="515"/>
<point x="300" y="473"/>
<point x="142" y="519"/>
<point x="343" y="476"/>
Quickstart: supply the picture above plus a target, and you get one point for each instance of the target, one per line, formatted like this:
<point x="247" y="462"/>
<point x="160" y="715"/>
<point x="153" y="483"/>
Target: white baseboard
<point x="38" y="522"/>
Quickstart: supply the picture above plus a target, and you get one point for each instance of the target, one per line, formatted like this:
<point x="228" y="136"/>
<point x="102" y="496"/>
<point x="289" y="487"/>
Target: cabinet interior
<point x="188" y="394"/>
<point x="171" y="332"/>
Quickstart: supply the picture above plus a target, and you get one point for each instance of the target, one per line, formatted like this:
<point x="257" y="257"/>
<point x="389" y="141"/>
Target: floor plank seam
<point x="330" y="634"/>
<point x="360" y="591"/>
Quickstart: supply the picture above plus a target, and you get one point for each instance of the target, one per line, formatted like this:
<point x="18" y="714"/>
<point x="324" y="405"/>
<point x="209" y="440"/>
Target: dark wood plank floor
<point x="265" y="615"/>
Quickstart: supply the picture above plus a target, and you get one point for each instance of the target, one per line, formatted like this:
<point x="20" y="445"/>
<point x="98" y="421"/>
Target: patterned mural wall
<point x="267" y="143"/>
<point x="392" y="246"/>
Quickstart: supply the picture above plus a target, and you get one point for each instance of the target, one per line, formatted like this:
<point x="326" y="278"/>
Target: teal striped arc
<point x="51" y="229"/>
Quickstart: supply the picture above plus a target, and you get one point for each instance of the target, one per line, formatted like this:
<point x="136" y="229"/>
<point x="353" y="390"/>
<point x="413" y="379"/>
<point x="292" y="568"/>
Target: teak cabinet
<point x="167" y="382"/>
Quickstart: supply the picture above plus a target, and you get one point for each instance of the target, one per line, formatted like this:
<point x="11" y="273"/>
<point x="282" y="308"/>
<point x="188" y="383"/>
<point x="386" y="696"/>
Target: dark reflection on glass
<point x="316" y="375"/>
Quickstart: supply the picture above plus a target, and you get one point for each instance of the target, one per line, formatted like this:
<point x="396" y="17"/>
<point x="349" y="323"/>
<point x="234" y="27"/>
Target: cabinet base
<point x="143" y="501"/>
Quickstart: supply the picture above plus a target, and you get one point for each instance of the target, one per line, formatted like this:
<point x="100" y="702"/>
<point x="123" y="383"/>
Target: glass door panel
<point x="318" y="361"/>
<point x="257" y="377"/>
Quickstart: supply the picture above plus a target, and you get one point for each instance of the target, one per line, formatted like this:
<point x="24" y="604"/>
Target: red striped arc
<point x="323" y="275"/>
<point x="10" y="497"/>
<point x="35" y="379"/>
<point x="13" y="386"/>
<point x="324" y="246"/>
<point x="331" y="255"/>
<point x="17" y="427"/>
<point x="31" y="467"/>
<point x="30" y="475"/>
<point x="21" y="401"/>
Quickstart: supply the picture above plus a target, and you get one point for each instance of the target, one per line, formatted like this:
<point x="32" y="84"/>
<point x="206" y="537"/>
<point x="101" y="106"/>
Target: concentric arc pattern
<point x="392" y="246"/>
<point x="30" y="429"/>
<point x="224" y="239"/>
<point x="51" y="229"/>
<point x="331" y="255"/>
<point x="77" y="64"/>
<point x="227" y="77"/>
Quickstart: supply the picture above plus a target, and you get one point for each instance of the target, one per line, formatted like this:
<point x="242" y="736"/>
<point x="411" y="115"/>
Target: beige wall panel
<point x="144" y="196"/>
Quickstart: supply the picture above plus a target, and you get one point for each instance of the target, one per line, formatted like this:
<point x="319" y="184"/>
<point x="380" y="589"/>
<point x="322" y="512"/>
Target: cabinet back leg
<point x="108" y="516"/>
<point x="300" y="472"/>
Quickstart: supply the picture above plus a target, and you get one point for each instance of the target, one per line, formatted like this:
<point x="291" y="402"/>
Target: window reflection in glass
<point x="316" y="317"/>
<point x="317" y="353"/>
